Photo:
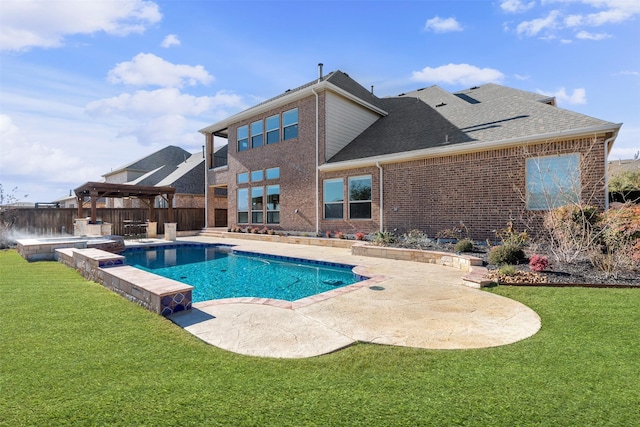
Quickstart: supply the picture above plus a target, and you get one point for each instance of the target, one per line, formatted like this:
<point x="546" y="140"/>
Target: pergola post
<point x="80" y="200"/>
<point x="170" y="207"/>
<point x="94" y="202"/>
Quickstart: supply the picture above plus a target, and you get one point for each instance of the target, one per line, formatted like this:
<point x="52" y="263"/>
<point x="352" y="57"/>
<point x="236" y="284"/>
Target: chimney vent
<point x="371" y="89"/>
<point x="320" y="72"/>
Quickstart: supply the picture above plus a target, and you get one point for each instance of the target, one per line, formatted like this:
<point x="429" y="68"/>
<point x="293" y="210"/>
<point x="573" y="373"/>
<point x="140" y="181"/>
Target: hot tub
<point x="44" y="249"/>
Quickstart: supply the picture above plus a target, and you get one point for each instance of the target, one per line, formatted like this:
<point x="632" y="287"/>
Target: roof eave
<point x="467" y="147"/>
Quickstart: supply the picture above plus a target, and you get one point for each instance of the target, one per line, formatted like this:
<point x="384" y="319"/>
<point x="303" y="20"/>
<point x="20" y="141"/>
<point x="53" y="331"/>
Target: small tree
<point x="8" y="214"/>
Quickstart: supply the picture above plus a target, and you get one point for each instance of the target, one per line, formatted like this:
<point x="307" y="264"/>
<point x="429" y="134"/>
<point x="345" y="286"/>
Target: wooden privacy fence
<point x="56" y="221"/>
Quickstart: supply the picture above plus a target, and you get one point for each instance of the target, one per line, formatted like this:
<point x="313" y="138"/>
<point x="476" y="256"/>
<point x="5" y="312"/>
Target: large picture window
<point x="243" y="205"/>
<point x="553" y="181"/>
<point x="273" y="129"/>
<point x="333" y="191"/>
<point x="290" y="124"/>
<point x="257" y="134"/>
<point x="360" y="197"/>
<point x="243" y="138"/>
<point x="257" y="214"/>
<point x="273" y="204"/>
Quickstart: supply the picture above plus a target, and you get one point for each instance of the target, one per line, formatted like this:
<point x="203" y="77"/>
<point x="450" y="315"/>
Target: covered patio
<point x="93" y="191"/>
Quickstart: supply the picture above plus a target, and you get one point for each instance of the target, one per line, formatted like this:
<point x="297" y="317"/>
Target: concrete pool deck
<point x="409" y="304"/>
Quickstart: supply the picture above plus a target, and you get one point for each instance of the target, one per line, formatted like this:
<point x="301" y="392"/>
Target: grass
<point x="73" y="353"/>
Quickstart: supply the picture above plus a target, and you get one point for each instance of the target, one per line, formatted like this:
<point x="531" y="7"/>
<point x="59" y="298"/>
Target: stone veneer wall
<point x="155" y="293"/>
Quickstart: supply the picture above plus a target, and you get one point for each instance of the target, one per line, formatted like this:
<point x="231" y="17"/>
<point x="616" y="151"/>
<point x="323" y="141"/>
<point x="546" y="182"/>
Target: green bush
<point x="464" y="245"/>
<point x="508" y="270"/>
<point x="383" y="238"/>
<point x="506" y="254"/>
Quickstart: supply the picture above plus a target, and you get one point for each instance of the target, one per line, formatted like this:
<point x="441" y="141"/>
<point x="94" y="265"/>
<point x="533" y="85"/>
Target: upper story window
<point x="257" y="176"/>
<point x="290" y="124"/>
<point x="273" y="173"/>
<point x="242" y="178"/>
<point x="553" y="181"/>
<point x="243" y="138"/>
<point x="360" y="197"/>
<point x="256" y="134"/>
<point x="273" y="129"/>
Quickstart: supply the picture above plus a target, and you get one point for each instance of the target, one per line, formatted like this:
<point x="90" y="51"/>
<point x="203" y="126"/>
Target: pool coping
<point x="430" y="310"/>
<point x="167" y="296"/>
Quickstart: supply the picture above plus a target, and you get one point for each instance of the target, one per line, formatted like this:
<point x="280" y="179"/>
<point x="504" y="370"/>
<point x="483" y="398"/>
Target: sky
<point x="89" y="86"/>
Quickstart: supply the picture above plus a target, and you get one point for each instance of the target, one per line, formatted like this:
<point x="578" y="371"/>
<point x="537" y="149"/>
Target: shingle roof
<point x="432" y="117"/>
<point x="409" y="125"/>
<point x="170" y="155"/>
<point x="501" y="113"/>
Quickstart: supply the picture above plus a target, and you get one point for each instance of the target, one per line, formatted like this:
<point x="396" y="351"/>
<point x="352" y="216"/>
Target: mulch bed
<point x="580" y="273"/>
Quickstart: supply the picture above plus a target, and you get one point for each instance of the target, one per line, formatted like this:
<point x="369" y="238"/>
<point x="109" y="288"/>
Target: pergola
<point x="146" y="193"/>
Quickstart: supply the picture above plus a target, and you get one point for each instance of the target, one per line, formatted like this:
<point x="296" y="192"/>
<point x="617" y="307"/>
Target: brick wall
<point x="482" y="190"/>
<point x="296" y="160"/>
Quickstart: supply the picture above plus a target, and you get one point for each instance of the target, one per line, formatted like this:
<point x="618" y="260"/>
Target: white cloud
<point x="616" y="11"/>
<point x="164" y="116"/>
<point x="629" y="73"/>
<point x="576" y="14"/>
<point x="170" y="40"/>
<point x="30" y="23"/>
<point x="23" y="154"/>
<point x="579" y="96"/>
<point x="162" y="102"/>
<point x="585" y="35"/>
<point x="533" y="27"/>
<point x="148" y="69"/>
<point x="462" y="74"/>
<point x="442" y="25"/>
<point x="521" y="77"/>
<point x="516" y="6"/>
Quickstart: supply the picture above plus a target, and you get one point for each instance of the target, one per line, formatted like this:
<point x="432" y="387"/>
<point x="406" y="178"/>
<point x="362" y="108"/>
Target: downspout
<point x="381" y="198"/>
<point x="206" y="183"/>
<point x="316" y="165"/>
<point x="606" y="170"/>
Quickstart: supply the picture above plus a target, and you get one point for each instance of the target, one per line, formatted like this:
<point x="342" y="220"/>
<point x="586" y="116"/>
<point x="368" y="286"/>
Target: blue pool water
<point x="217" y="271"/>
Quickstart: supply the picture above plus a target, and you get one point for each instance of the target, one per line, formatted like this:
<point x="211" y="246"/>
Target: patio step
<point x="213" y="232"/>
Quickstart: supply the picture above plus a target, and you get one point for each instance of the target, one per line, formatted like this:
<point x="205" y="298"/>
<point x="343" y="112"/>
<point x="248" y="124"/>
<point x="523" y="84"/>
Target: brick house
<point x="331" y="155"/>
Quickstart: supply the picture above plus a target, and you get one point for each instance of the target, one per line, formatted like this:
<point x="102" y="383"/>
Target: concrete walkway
<point x="406" y="304"/>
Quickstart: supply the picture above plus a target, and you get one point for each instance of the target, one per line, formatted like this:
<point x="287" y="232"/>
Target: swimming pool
<point x="218" y="271"/>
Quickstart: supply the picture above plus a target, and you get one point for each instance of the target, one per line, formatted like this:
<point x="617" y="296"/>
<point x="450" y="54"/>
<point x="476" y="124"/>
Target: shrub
<point x="507" y="270"/>
<point x="360" y="235"/>
<point x="538" y="263"/>
<point x="449" y="233"/>
<point x="340" y="235"/>
<point x="383" y="238"/>
<point x="618" y="245"/>
<point x="464" y="245"/>
<point x="510" y="237"/>
<point x="572" y="231"/>
<point x="327" y="234"/>
<point x="506" y="254"/>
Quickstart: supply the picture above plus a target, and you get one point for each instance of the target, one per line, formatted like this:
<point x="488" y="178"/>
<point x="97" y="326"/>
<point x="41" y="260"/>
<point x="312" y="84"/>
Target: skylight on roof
<point x="467" y="98"/>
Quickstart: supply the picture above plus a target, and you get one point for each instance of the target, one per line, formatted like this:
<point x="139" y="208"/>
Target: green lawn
<point x="73" y="353"/>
